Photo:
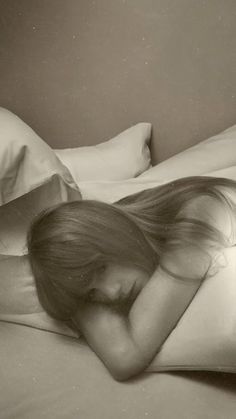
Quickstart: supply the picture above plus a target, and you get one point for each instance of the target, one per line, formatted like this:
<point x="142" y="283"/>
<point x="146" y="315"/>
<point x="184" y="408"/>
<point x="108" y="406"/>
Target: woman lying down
<point x="124" y="273"/>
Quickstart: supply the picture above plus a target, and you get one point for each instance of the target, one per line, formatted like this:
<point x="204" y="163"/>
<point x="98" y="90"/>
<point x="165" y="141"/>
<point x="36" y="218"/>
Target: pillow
<point x="204" y="338"/>
<point x="200" y="159"/>
<point x="217" y="152"/>
<point x="26" y="161"/>
<point x="125" y="156"/>
<point x="31" y="179"/>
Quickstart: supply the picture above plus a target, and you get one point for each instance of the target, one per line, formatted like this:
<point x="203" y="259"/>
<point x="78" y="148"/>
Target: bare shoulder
<point x="194" y="262"/>
<point x="214" y="212"/>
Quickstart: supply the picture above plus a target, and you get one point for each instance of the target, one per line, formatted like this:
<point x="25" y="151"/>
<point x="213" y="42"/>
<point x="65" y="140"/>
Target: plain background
<point x="81" y="71"/>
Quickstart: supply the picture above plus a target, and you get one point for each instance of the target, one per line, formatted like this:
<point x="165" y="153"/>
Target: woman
<point x="124" y="273"/>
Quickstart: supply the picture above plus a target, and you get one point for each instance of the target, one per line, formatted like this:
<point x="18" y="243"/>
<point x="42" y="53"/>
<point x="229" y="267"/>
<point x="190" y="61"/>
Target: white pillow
<point x="125" y="156"/>
<point x="205" y="335"/>
<point x="31" y="179"/>
<point x="217" y="152"/>
<point x="204" y="338"/>
<point x="208" y="157"/>
<point x="26" y="161"/>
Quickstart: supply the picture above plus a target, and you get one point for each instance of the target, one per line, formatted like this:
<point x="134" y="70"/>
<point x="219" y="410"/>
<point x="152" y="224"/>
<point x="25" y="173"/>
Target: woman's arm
<point x="126" y="345"/>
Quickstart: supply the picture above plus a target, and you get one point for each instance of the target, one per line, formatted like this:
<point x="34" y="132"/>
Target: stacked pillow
<point x="215" y="156"/>
<point x="32" y="178"/>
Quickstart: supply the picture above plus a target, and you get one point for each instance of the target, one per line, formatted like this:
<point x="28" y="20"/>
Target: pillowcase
<point x="31" y="179"/>
<point x="204" y="338"/>
<point x="203" y="158"/>
<point x="26" y="161"/>
<point x="215" y="153"/>
<point x="125" y="156"/>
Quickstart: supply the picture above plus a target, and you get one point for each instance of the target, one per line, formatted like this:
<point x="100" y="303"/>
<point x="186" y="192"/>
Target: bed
<point x="46" y="370"/>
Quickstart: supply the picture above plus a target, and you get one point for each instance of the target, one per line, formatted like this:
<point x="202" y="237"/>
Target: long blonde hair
<point x="69" y="242"/>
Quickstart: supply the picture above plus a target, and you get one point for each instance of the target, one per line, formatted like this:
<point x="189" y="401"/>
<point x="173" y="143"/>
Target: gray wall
<point x="79" y="71"/>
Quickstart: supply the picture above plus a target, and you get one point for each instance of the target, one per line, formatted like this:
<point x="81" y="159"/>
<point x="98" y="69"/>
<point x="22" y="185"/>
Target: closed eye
<point x="91" y="294"/>
<point x="95" y="295"/>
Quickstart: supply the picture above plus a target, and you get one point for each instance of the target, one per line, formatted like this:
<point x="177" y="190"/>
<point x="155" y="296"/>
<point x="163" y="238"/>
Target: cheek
<point x="143" y="279"/>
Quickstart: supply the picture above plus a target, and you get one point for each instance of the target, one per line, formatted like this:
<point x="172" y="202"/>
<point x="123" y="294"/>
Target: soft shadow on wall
<point x="81" y="71"/>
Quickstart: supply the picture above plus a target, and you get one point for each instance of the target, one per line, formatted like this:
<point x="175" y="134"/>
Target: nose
<point x="112" y="291"/>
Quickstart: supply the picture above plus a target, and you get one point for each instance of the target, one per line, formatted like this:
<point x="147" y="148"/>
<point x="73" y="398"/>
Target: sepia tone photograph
<point x="118" y="209"/>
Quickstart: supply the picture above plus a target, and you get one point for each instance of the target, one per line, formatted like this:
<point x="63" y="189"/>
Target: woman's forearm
<point x="107" y="332"/>
<point x="127" y="344"/>
<point x="157" y="310"/>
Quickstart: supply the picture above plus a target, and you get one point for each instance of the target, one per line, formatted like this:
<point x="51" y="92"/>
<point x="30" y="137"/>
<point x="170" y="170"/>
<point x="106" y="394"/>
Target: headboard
<point x="81" y="72"/>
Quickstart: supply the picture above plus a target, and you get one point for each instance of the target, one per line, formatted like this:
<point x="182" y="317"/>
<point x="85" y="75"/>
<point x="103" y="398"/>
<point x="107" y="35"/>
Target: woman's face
<point x="117" y="284"/>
